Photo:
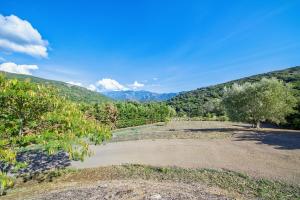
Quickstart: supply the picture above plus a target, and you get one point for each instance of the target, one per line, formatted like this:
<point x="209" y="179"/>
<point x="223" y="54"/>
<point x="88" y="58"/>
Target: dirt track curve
<point x="270" y="153"/>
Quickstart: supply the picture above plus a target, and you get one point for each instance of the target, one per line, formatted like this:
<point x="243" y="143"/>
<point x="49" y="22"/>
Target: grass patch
<point x="233" y="182"/>
<point x="160" y="131"/>
<point x="228" y="180"/>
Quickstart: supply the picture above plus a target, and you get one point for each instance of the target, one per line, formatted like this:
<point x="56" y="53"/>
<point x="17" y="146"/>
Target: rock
<point x="155" y="197"/>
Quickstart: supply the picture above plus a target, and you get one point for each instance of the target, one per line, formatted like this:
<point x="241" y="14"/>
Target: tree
<point x="24" y="101"/>
<point x="33" y="115"/>
<point x="105" y="113"/>
<point x="267" y="100"/>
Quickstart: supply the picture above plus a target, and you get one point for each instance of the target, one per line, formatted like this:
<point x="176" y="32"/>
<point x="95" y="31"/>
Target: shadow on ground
<point x="212" y="130"/>
<point x="39" y="161"/>
<point x="280" y="139"/>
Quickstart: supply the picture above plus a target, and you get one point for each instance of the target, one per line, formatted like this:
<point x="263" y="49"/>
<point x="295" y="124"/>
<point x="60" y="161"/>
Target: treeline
<point x="127" y="114"/>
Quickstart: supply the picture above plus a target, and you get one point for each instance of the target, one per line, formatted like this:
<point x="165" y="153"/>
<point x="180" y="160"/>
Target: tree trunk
<point x="21" y="127"/>
<point x="258" y="125"/>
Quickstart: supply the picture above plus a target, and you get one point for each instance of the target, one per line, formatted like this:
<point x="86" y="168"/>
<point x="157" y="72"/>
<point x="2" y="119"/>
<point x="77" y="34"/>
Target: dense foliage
<point x="205" y="101"/>
<point x="33" y="116"/>
<point x="267" y="100"/>
<point x="104" y="113"/>
<point x="134" y="114"/>
<point x="68" y="91"/>
<point x="127" y="114"/>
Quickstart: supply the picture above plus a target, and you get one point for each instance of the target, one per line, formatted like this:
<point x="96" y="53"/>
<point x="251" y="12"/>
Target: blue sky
<point x="156" y="45"/>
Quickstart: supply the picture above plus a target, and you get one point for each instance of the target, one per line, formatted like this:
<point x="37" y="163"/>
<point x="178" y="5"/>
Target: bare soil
<point x="267" y="153"/>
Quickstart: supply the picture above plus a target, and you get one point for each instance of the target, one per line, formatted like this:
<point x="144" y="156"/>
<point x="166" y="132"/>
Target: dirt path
<point x="274" y="155"/>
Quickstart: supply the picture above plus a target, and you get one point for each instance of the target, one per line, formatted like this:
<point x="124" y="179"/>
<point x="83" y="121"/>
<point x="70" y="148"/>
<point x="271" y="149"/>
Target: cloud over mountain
<point x="92" y="87"/>
<point x="136" y="85"/>
<point x="110" y="84"/>
<point x="74" y="83"/>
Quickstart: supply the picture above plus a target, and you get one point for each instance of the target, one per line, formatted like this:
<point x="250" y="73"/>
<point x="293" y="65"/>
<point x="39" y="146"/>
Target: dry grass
<point x="228" y="183"/>
<point x="173" y="130"/>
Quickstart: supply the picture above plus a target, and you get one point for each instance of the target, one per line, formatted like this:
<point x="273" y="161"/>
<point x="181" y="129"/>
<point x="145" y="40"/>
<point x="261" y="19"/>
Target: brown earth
<point x="268" y="153"/>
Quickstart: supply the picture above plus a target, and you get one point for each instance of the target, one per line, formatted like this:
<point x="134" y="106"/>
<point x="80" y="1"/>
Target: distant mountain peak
<point x="138" y="95"/>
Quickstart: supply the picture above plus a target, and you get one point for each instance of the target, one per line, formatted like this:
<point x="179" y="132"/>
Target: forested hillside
<point x="206" y="101"/>
<point x="71" y="92"/>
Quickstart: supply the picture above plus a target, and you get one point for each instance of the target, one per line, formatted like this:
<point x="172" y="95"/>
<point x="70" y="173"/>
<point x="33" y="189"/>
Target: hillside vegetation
<point x="205" y="101"/>
<point x="70" y="92"/>
<point x="128" y="114"/>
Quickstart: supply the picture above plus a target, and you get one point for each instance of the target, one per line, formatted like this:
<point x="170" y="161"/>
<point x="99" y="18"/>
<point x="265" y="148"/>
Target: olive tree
<point x="267" y="100"/>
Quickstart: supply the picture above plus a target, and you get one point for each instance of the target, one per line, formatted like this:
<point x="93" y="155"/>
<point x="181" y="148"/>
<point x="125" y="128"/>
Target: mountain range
<point x="190" y="101"/>
<point x="140" y="96"/>
<point x="81" y="94"/>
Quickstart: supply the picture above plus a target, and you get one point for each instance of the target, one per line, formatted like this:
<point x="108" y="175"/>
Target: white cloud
<point x="136" y="85"/>
<point x="74" y="83"/>
<point x="110" y="84"/>
<point x="19" y="69"/>
<point x="155" y="79"/>
<point x="18" y="35"/>
<point x="92" y="87"/>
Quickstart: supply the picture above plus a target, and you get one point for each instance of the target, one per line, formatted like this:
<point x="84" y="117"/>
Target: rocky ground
<point x="135" y="190"/>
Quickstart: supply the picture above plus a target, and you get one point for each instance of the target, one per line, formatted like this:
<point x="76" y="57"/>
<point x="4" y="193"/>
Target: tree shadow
<point x="262" y="125"/>
<point x="38" y="162"/>
<point x="279" y="138"/>
<point x="199" y="130"/>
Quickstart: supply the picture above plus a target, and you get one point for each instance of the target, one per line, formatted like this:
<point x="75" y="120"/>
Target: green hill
<point x="71" y="92"/>
<point x="204" y="101"/>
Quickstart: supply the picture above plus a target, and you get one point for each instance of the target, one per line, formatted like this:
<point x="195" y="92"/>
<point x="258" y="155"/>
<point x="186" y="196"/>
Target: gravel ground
<point x="134" y="190"/>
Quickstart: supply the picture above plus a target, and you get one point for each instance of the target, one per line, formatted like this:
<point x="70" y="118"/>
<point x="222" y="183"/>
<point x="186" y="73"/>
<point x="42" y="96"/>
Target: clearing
<point x="269" y="153"/>
<point x="214" y="160"/>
